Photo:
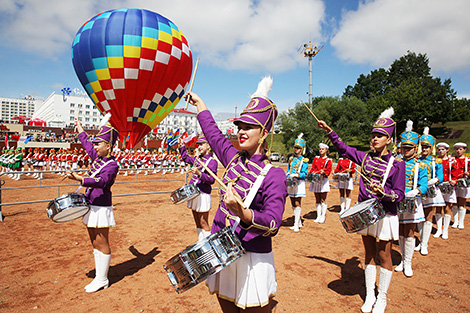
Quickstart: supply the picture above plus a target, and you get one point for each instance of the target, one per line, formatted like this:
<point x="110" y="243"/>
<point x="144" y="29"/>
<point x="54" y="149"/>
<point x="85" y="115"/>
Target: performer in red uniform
<point x="460" y="175"/>
<point x="345" y="167"/>
<point x="321" y="165"/>
<point x="448" y="192"/>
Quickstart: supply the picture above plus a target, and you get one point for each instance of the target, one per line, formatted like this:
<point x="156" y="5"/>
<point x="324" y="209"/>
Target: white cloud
<point x="261" y="35"/>
<point x="381" y="31"/>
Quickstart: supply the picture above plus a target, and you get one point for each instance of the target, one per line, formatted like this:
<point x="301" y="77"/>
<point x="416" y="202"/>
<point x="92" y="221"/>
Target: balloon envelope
<point x="134" y="64"/>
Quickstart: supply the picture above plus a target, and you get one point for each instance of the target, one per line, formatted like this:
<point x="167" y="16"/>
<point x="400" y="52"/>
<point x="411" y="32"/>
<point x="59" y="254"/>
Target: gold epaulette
<point x="438" y="161"/>
<point x="400" y="159"/>
<point x="423" y="165"/>
<point x="306" y="160"/>
<point x="290" y="158"/>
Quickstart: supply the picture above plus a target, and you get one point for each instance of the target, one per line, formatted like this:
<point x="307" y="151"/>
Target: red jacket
<point x="324" y="164"/>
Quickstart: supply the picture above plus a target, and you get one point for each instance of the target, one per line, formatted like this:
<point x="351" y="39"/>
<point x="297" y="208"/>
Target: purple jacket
<point x="98" y="190"/>
<point x="268" y="204"/>
<point x="373" y="166"/>
<point x="206" y="180"/>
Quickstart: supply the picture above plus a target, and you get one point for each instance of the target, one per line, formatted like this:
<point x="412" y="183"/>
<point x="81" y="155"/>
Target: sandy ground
<point x="45" y="265"/>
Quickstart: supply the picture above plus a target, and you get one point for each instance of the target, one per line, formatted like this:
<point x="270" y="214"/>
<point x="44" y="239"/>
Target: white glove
<point x="412" y="193"/>
<point x="433" y="181"/>
<point x="294" y="175"/>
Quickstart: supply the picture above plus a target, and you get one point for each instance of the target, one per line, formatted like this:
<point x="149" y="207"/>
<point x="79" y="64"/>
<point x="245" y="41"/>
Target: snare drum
<point x="185" y="193"/>
<point x="314" y="178"/>
<point x="463" y="182"/>
<point x="203" y="259"/>
<point x="445" y="187"/>
<point x="362" y="215"/>
<point x="291" y="182"/>
<point x="68" y="207"/>
<point x="431" y="193"/>
<point x="409" y="205"/>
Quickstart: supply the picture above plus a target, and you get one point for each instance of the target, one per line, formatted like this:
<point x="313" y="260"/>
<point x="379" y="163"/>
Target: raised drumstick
<point x="192" y="82"/>
<point x="217" y="179"/>
<point x="309" y="110"/>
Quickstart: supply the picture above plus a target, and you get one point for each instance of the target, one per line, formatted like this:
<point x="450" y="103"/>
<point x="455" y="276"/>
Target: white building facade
<point x="60" y="111"/>
<point x="13" y="107"/>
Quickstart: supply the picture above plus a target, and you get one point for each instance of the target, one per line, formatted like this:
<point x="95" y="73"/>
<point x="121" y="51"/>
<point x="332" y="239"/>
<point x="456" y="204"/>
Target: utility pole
<point x="309" y="51"/>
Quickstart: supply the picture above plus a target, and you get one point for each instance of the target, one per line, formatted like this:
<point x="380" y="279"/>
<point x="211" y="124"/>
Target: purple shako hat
<point x="385" y="124"/>
<point x="201" y="138"/>
<point x="107" y="133"/>
<point x="260" y="110"/>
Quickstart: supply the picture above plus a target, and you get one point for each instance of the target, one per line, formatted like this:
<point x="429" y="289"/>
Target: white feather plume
<point x="388" y="113"/>
<point x="426" y="131"/>
<point x="105" y="119"/>
<point x="300" y="135"/>
<point x="264" y="86"/>
<point x="409" y="126"/>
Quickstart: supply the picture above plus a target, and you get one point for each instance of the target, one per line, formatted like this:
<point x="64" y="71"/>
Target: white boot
<point x="462" y="213"/>
<point x="102" y="266"/>
<point x="445" y="230"/>
<point x="409" y="250"/>
<point x="348" y="203"/>
<point x="318" y="219"/>
<point x="370" y="273"/>
<point x="199" y="231"/>
<point x="420" y="231"/>
<point x="384" y="283"/>
<point x="439" y="225"/>
<point x="455" y="213"/>
<point x="401" y="242"/>
<point x="427" y="228"/>
<point x="324" y="206"/>
<point x="297" y="213"/>
<point x="342" y="205"/>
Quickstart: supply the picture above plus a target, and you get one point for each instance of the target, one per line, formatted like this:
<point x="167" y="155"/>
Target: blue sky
<point x="240" y="41"/>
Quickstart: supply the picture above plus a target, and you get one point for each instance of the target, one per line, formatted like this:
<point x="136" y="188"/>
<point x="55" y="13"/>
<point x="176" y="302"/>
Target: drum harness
<point x="249" y="199"/>
<point x="96" y="172"/>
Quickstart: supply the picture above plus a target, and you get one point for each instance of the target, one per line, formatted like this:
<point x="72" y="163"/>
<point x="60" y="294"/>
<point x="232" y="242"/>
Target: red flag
<point x="6" y="141"/>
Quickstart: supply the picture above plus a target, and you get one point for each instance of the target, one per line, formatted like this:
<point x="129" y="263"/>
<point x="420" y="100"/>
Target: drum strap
<point x="254" y="189"/>
<point x="433" y="169"/>
<point x="387" y="171"/>
<point x="96" y="172"/>
<point x="415" y="178"/>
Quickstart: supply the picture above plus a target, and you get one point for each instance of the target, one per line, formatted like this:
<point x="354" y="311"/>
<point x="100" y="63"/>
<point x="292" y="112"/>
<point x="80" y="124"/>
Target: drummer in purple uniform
<point x="201" y="204"/>
<point x="250" y="282"/>
<point x="385" y="181"/>
<point x="100" y="178"/>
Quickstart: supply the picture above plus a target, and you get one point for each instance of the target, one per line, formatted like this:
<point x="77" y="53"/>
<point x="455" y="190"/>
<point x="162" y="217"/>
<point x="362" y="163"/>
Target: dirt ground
<point x="45" y="265"/>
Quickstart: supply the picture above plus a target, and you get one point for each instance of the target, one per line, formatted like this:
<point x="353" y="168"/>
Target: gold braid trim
<point x="271" y="230"/>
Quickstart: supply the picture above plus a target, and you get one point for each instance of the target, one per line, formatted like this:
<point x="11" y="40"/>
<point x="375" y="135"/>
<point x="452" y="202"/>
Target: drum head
<point x="358" y="207"/>
<point x="70" y="214"/>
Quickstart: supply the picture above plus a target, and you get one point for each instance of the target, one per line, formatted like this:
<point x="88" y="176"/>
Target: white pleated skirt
<point x="349" y="184"/>
<point x="297" y="191"/>
<point x="201" y="203"/>
<point x="438" y="200"/>
<point x="462" y="192"/>
<point x="450" y="197"/>
<point x="248" y="282"/>
<point x="99" y="217"/>
<point x="323" y="186"/>
<point x="386" y="229"/>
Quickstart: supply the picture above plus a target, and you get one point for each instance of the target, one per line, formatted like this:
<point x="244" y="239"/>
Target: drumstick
<point x="310" y="111"/>
<point x="192" y="82"/>
<point x="217" y="179"/>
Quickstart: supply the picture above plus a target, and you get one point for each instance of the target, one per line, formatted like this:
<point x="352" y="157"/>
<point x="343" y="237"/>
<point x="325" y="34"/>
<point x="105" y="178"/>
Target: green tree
<point x="409" y="88"/>
<point x="349" y="117"/>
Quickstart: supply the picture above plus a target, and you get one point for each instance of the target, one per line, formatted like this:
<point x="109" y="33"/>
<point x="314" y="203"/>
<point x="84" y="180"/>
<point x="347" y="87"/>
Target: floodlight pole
<point x="309" y="51"/>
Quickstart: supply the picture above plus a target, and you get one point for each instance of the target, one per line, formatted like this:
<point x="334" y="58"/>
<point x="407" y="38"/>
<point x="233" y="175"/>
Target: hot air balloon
<point x="134" y="64"/>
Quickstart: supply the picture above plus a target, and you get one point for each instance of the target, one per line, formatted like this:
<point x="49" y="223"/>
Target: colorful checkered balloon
<point x="135" y="64"/>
